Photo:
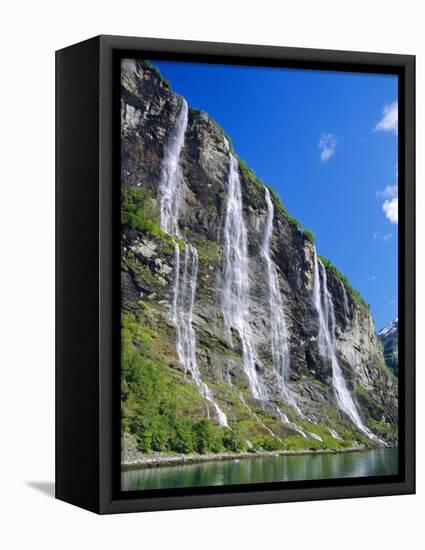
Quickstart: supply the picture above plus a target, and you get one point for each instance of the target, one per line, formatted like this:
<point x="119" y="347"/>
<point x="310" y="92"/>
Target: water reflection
<point x="263" y="470"/>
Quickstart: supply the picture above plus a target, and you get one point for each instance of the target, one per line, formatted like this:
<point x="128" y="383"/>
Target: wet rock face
<point x="149" y="109"/>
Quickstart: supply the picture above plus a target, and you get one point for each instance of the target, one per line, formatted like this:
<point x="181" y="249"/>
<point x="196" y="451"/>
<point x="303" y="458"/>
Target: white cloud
<point x="327" y="145"/>
<point x="390" y="207"/>
<point x="390" y="191"/>
<point x="378" y="236"/>
<point x="389" y="120"/>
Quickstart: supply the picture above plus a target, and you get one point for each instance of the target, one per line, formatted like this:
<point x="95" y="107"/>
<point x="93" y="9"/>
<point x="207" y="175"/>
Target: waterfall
<point x="345" y="302"/>
<point x="235" y="292"/>
<point x="285" y="420"/>
<point x="326" y="315"/>
<point x="184" y="287"/>
<point x="186" y="343"/>
<point x="335" y="434"/>
<point x="257" y="418"/>
<point x="278" y="330"/>
<point x="169" y="187"/>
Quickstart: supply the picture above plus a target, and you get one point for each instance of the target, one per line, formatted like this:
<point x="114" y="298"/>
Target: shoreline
<point x="158" y="460"/>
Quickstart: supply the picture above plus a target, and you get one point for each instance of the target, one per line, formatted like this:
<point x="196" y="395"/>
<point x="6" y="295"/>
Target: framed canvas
<point x="235" y="274"/>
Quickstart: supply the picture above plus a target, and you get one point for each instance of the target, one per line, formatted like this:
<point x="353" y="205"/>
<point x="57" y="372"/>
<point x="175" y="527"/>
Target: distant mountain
<point x="389" y="337"/>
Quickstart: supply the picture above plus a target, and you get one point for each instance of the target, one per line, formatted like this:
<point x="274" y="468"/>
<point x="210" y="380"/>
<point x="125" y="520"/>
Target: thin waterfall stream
<point x="278" y="329"/>
<point x="325" y="311"/>
<point x="345" y="302"/>
<point x="235" y="292"/>
<point x="184" y="287"/>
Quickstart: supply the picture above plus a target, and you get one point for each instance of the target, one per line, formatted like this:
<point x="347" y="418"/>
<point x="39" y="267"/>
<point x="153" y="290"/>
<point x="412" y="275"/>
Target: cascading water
<point x="184" y="288"/>
<point x="326" y="315"/>
<point x="186" y="342"/>
<point x="169" y="187"/>
<point x="235" y="292"/>
<point x="278" y="330"/>
<point x="285" y="420"/>
<point x="345" y="302"/>
<point x="335" y="434"/>
<point x="257" y="418"/>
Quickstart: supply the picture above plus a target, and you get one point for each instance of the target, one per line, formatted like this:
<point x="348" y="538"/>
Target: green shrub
<point x="209" y="251"/>
<point x="309" y="235"/>
<point x="138" y="212"/>
<point x="249" y="173"/>
<point x="345" y="281"/>
<point x="154" y="403"/>
<point x="208" y="437"/>
<point x="267" y="443"/>
<point x="182" y="438"/>
<point x="279" y="205"/>
<point x="233" y="440"/>
<point x="157" y="73"/>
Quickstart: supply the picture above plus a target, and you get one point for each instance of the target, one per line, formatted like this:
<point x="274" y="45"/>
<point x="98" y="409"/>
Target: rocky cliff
<point x="389" y="338"/>
<point x="236" y="335"/>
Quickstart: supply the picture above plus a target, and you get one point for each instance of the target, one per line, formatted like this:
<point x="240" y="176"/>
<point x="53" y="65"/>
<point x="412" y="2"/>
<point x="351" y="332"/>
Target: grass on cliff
<point x="138" y="211"/>
<point x="279" y="205"/>
<point x="157" y="73"/>
<point x="345" y="281"/>
<point x="258" y="186"/>
<point x="160" y="409"/>
<point x="163" y="411"/>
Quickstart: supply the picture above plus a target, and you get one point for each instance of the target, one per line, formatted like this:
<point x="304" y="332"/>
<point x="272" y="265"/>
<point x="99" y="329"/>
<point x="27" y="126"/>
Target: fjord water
<point x="184" y="287"/>
<point x="376" y="462"/>
<point x="235" y="293"/>
<point x="326" y="315"/>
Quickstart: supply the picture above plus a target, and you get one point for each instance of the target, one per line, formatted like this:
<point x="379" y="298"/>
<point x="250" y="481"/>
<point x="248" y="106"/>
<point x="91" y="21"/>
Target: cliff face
<point x="389" y="338"/>
<point x="299" y="406"/>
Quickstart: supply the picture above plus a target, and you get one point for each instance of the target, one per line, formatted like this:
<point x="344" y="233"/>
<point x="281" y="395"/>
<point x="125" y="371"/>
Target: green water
<point x="376" y="462"/>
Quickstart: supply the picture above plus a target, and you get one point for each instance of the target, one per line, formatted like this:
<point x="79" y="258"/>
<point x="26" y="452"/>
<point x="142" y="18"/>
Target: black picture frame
<point x="87" y="275"/>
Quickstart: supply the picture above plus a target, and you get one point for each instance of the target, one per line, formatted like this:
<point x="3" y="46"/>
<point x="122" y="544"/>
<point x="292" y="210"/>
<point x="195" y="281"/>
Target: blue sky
<point x="327" y="142"/>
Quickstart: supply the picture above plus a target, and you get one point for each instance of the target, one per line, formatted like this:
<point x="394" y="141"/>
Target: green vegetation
<point x="374" y="410"/>
<point x="164" y="412"/>
<point x="258" y="185"/>
<point x="160" y="409"/>
<point x="233" y="440"/>
<point x="157" y="73"/>
<point x="267" y="443"/>
<point x="390" y="350"/>
<point x="279" y="205"/>
<point x="308" y="234"/>
<point x="258" y="190"/>
<point x="344" y="279"/>
<point x="156" y="406"/>
<point x="383" y="367"/>
<point x="142" y="271"/>
<point x="220" y="130"/>
<point x="208" y="251"/>
<point x="138" y="211"/>
<point x="249" y="175"/>
<point x="389" y="431"/>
